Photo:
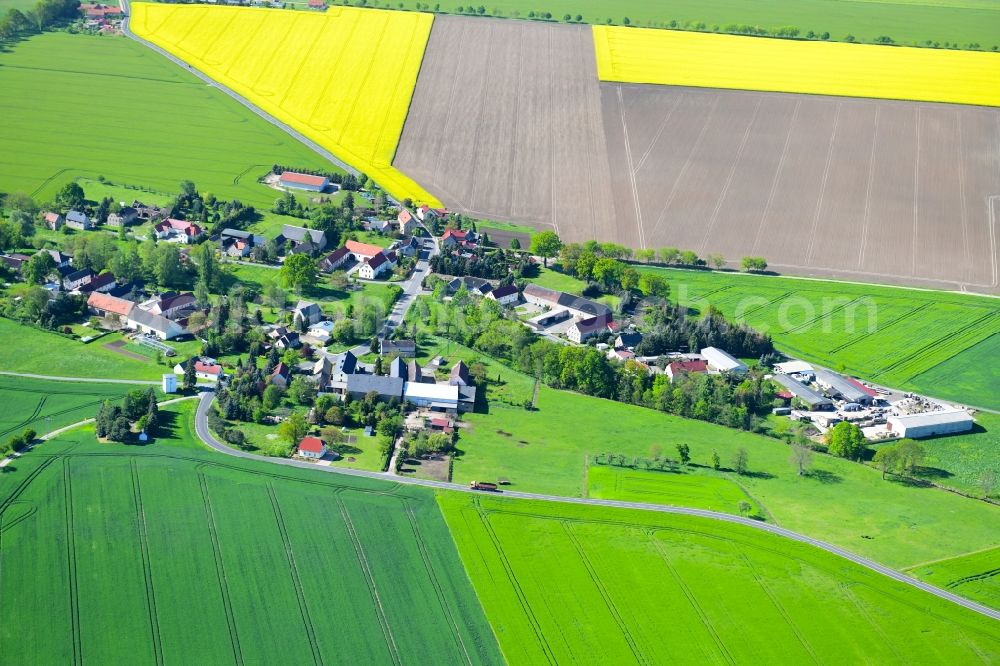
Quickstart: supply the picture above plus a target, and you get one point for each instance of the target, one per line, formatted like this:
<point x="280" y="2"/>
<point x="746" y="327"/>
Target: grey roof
<point x="414" y="373"/>
<point x="566" y="300"/>
<point x="506" y="290"/>
<point x="467" y="393"/>
<point x="800" y="390"/>
<point x="150" y="320"/>
<point x="839" y="385"/>
<point x="307" y="309"/>
<point x="386" y="387"/>
<point x="630" y="338"/>
<point x="76" y="216"/>
<point x="398" y="368"/>
<point x="79" y="275"/>
<point x="237" y="233"/>
<point x="388" y="346"/>
<point x="298" y="234"/>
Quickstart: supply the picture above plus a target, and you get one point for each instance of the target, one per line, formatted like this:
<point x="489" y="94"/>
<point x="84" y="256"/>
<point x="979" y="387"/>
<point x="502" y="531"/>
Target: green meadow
<point x="46" y="405"/>
<point x="842" y="502"/>
<point x="166" y="553"/>
<point x="976" y="575"/>
<point x="577" y="584"/>
<point x="81" y="106"/>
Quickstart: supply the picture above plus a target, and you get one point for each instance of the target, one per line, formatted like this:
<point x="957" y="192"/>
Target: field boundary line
<point x="961" y="196"/>
<point x="916" y="194"/>
<point x="917" y="353"/>
<point x="822" y="190"/>
<point x="294" y="571"/>
<point x="863" y="610"/>
<point x="429" y="566"/>
<point x="953" y="557"/>
<point x="992" y="222"/>
<point x="220" y="570"/>
<point x="659" y="131"/>
<point x="776" y="603"/>
<point x="821" y="316"/>
<point x="705" y="621"/>
<point x="777" y="177"/>
<point x="515" y="584"/>
<point x="595" y="578"/>
<point x="880" y="329"/>
<point x="74" y="591"/>
<point x="866" y="219"/>
<point x="147" y="572"/>
<point x="370" y="580"/>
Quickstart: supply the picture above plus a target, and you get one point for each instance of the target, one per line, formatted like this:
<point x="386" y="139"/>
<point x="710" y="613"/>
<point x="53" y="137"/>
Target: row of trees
<point x="671" y="328"/>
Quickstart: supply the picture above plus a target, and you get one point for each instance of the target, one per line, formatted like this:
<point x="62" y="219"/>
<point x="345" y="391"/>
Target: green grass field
<point x="47" y="405"/>
<point x="108" y="106"/>
<point x="54" y="354"/>
<point x="636" y="485"/>
<point x="164" y="553"/>
<point x="574" y="584"/>
<point x="958" y="461"/>
<point x="927" y="341"/>
<point x="976" y="575"/>
<point x="905" y="21"/>
<point x="840" y="501"/>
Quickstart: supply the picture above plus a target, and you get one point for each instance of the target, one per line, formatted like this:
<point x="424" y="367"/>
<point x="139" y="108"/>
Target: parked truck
<point x="483" y="485"/>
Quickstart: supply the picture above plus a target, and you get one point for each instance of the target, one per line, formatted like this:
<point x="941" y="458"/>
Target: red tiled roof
<point x="208" y="368"/>
<point x="404" y="216"/>
<point x="311" y="444"/>
<point x="363" y="249"/>
<point x="107" y="303"/>
<point x="697" y="365"/>
<point x="303" y="178"/>
<point x="457" y="234"/>
<point x="185" y="227"/>
<point x="440" y="423"/>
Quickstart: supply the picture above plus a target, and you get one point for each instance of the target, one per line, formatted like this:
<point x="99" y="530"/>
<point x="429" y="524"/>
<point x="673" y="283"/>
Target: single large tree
<point x="293" y="428"/>
<point x="846" y="441"/>
<point x="546" y="245"/>
<point x="298" y="272"/>
<point x="38" y="267"/>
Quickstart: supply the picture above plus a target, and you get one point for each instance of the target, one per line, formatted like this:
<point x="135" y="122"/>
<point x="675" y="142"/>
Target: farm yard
<point x="571" y="584"/>
<point x="505" y="124"/>
<point x="184" y="529"/>
<point x="671" y="57"/>
<point x="353" y="77"/>
<point x="810" y="182"/>
<point x="172" y="128"/>
<point x="918" y="339"/>
<point x="842" y="502"/>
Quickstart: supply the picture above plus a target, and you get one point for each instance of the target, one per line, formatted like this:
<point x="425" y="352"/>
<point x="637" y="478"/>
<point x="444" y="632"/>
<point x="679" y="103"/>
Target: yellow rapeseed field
<point x="343" y="78"/>
<point x="705" y="60"/>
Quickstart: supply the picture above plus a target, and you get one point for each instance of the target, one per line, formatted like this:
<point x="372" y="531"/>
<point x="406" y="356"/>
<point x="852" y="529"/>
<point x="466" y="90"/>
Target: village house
<point x="455" y="238"/>
<point x="124" y="217"/>
<point x="331" y="372"/>
<point x="283" y="338"/>
<point x="334" y="260"/>
<point x="407" y="348"/>
<point x="409" y="247"/>
<point x="720" y="361"/>
<point x="405" y="222"/>
<point x="312" y="447"/>
<point x="149" y="213"/>
<point x="281" y="376"/>
<point x="14" y="261"/>
<point x="103" y="283"/>
<point x="375" y="266"/>
<point x="319" y="333"/>
<point x="58" y="258"/>
<point x="53" y="221"/>
<point x="78" y="220"/>
<point x="206" y="369"/>
<point x="171" y="305"/>
<point x="505" y="295"/>
<point x="628" y="340"/>
<point x="459" y="375"/>
<point x="577" y="306"/>
<point x="77" y="279"/>
<point x="386" y="388"/>
<point x="306" y="312"/>
<point x="583" y="329"/>
<point x="178" y="231"/>
<point x="427" y="214"/>
<point x="302" y="240"/>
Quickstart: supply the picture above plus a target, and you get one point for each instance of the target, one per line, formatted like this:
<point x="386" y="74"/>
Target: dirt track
<point x="509" y="122"/>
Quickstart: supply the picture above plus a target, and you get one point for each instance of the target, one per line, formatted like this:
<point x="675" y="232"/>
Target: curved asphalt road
<point x="201" y="428"/>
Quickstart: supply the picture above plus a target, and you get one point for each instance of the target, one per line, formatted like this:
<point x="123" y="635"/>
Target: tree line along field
<point x="670" y="57"/>
<point x="44" y="405"/>
<point x="958" y="22"/>
<point x="136" y="118"/>
<point x="342" y="78"/>
<point x="839" y="501"/>
<point x="907" y="339"/>
<point x="574" y="584"/>
<point x="164" y="553"/>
